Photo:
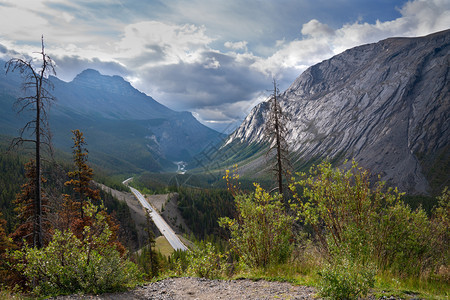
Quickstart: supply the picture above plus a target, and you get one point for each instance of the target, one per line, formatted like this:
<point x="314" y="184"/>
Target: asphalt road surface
<point x="163" y="227"/>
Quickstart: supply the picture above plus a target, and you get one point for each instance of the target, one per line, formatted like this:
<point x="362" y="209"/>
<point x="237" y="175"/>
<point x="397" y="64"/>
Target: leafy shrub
<point x="403" y="236"/>
<point x="261" y="233"/>
<point x="346" y="279"/>
<point x="70" y="265"/>
<point x="341" y="206"/>
<point x="360" y="222"/>
<point x="205" y="261"/>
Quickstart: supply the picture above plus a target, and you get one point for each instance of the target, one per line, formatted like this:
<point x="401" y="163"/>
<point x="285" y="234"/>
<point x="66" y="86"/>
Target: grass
<point x="8" y="295"/>
<point x="411" y="287"/>
<point x="163" y="246"/>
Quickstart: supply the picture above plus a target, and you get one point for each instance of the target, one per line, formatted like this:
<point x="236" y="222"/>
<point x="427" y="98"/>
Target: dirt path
<point x="205" y="289"/>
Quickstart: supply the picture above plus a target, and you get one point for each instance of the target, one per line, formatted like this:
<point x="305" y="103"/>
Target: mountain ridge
<point x="119" y="122"/>
<point x="384" y="104"/>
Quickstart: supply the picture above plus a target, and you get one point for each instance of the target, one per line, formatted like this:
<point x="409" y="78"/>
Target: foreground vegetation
<point x="338" y="232"/>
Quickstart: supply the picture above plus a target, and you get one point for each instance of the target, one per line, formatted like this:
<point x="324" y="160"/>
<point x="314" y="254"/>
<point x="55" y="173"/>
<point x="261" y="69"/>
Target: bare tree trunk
<point x="38" y="200"/>
<point x="35" y="79"/>
<point x="278" y="140"/>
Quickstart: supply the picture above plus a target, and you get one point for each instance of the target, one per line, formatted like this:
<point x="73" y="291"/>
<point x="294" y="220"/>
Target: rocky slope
<point x="385" y="104"/>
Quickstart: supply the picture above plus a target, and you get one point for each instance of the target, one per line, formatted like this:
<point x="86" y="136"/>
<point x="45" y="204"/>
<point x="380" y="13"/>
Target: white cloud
<point x="320" y="41"/>
<point x="153" y="43"/>
<point x="67" y="17"/>
<point x="421" y="17"/>
<point x="316" y="29"/>
<point x="20" y="22"/>
<point x="242" y="45"/>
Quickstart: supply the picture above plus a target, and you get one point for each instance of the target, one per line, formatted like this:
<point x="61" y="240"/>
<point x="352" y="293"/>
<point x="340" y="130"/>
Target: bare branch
<point x="37" y="100"/>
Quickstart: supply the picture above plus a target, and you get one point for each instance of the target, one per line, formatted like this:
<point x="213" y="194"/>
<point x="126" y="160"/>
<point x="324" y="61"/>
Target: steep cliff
<point x="384" y="104"/>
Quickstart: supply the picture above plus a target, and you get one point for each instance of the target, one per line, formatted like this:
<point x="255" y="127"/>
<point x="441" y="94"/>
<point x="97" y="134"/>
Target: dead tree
<point x="276" y="131"/>
<point x="37" y="99"/>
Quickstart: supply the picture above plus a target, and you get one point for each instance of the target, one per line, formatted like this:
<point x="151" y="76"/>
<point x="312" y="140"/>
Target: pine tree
<point x="80" y="181"/>
<point x="33" y="227"/>
<point x="5" y="244"/>
<point x="152" y="256"/>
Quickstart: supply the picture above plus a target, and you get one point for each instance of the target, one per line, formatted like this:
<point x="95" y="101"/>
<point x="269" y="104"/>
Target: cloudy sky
<point x="215" y="58"/>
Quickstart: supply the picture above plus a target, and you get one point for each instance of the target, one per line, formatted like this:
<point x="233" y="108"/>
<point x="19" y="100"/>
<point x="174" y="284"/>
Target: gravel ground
<point x="205" y="289"/>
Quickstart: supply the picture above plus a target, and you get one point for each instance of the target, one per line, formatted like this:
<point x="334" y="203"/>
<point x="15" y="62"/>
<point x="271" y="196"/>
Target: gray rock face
<point x="383" y="104"/>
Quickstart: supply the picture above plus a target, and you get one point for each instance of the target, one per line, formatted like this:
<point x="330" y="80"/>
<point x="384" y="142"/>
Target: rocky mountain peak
<point x="93" y="79"/>
<point x="385" y="104"/>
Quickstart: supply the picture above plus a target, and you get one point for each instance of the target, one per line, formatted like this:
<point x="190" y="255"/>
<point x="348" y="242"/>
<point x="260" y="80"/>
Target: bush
<point x="341" y="207"/>
<point x="346" y="279"/>
<point x="69" y="265"/>
<point x="356" y="221"/>
<point x="205" y="261"/>
<point x="261" y="233"/>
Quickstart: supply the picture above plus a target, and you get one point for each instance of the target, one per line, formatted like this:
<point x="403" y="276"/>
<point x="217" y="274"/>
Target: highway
<point x="163" y="227"/>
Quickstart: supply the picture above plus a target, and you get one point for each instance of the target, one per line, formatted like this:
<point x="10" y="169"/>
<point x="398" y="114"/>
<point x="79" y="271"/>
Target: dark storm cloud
<point x="217" y="80"/>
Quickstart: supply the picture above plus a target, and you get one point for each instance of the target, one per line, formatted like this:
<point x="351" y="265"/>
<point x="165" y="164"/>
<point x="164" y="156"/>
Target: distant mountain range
<point x="386" y="105"/>
<point x="124" y="128"/>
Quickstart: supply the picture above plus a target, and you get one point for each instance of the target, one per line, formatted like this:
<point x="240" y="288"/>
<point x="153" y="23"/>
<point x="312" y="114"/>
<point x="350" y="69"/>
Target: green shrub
<point x="261" y="233"/>
<point x="346" y="279"/>
<point x="342" y="208"/>
<point x="358" y="221"/>
<point x="69" y="265"/>
<point x="205" y="261"/>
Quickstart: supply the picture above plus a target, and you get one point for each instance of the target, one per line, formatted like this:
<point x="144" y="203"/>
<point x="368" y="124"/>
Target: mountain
<point x="386" y="105"/>
<point x="125" y="129"/>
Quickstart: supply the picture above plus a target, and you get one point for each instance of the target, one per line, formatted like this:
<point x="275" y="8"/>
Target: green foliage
<point x="427" y="203"/>
<point x="205" y="261"/>
<point x="149" y="262"/>
<point x="404" y="236"/>
<point x="70" y="265"/>
<point x="364" y="224"/>
<point x="346" y="279"/>
<point x="12" y="176"/>
<point x="341" y="206"/>
<point x="121" y="212"/>
<point x="261" y="233"/>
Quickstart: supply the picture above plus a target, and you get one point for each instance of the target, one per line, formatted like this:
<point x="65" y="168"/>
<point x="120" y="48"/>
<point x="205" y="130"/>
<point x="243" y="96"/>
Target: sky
<point x="214" y="58"/>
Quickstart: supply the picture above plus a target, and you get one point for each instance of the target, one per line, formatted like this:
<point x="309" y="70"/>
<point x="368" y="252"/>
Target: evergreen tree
<point x="151" y="254"/>
<point x="81" y="177"/>
<point x="80" y="181"/>
<point x="33" y="227"/>
<point x="5" y="244"/>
